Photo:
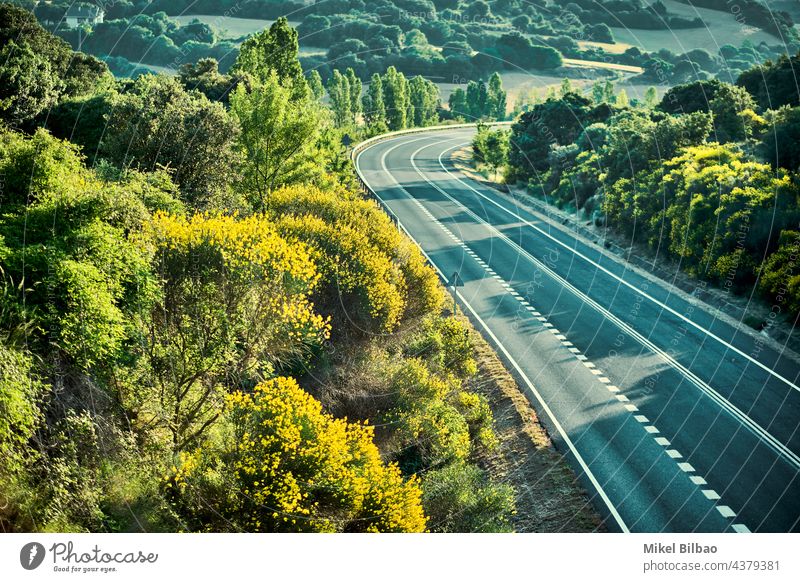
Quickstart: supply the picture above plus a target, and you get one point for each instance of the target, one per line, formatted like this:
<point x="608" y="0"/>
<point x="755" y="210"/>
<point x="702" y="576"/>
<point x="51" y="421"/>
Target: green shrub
<point x="460" y="498"/>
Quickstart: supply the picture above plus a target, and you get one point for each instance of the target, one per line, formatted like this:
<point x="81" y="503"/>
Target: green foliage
<point x="73" y="237"/>
<point x="37" y="69"/>
<point x="170" y="326"/>
<point x="711" y="206"/>
<point x="374" y="106"/>
<point x="71" y="490"/>
<point x="735" y="118"/>
<point x="651" y="97"/>
<point x="491" y="147"/>
<point x="28" y="86"/>
<point x="460" y="498"/>
<point x="315" y="85"/>
<point x="232" y="303"/>
<point x="425" y="101"/>
<point x="397" y="99"/>
<point x="773" y="85"/>
<point x="274" y="51"/>
<point x="157" y="124"/>
<point x="445" y="346"/>
<point x="709" y="203"/>
<point x="204" y="76"/>
<point x="20" y="27"/>
<point x="21" y="391"/>
<point x="480" y="101"/>
<point x="81" y="120"/>
<point x="496" y="98"/>
<point x="340" y="99"/>
<point x="780" y="143"/>
<point x="780" y="277"/>
<point x="554" y="122"/>
<point x="458" y="104"/>
<point x="356" y="89"/>
<point x="278" y="135"/>
<point x="287" y="466"/>
<point x="690" y="97"/>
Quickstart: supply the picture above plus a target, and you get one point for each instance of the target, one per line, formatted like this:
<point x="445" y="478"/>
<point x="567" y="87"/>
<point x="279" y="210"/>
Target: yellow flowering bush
<point x="233" y="303"/>
<point x="292" y="467"/>
<point x="368" y="268"/>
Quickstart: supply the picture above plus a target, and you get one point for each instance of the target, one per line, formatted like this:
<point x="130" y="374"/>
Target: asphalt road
<point x="675" y="419"/>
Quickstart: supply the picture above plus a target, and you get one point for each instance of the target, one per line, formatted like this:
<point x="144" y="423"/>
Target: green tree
<point x="232" y="303"/>
<point x="608" y="92"/>
<point x="735" y="118"/>
<point x="374" y="106"/>
<point x="476" y="99"/>
<point x="690" y="97"/>
<point x="28" y="85"/>
<point x="780" y="278"/>
<point x="396" y="98"/>
<point x="496" y="98"/>
<point x="554" y="122"/>
<point x="491" y="147"/>
<point x="425" y="100"/>
<point x="277" y="139"/>
<point x="714" y="208"/>
<point x="780" y="144"/>
<point x="315" y="85"/>
<point x="598" y="92"/>
<point x="277" y="50"/>
<point x="341" y="103"/>
<point x="356" y="88"/>
<point x="159" y="124"/>
<point x="566" y="87"/>
<point x="458" y="103"/>
<point x="773" y="84"/>
<point x="20" y="26"/>
<point x="651" y="98"/>
<point x="622" y="100"/>
<point x="204" y="76"/>
<point x="86" y="76"/>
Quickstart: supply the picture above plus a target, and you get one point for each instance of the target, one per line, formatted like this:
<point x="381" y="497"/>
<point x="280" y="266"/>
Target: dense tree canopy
<point x="156" y="123"/>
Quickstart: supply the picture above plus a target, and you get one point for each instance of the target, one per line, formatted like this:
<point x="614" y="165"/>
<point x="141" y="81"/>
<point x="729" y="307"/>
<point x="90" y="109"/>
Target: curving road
<point x="676" y="420"/>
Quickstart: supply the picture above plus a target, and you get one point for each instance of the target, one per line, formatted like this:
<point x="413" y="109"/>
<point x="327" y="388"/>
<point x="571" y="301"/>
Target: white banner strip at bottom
<point x="446" y="557"/>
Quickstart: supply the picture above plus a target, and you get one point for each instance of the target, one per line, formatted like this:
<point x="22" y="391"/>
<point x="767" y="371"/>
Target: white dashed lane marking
<point x="710" y="494"/>
<point x="726" y="511"/>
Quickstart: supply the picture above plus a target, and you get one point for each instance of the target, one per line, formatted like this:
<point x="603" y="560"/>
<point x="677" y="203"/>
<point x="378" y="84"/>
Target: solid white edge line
<point x="600" y="491"/>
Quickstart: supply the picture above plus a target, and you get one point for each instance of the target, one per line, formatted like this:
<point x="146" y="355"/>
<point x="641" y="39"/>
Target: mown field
<point x="228" y="27"/>
<point x="722" y="28"/>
